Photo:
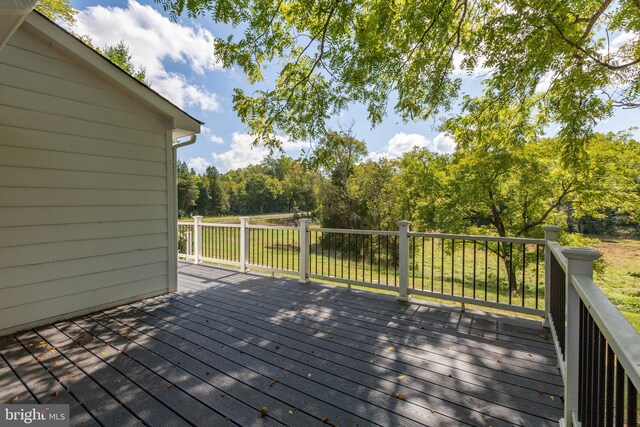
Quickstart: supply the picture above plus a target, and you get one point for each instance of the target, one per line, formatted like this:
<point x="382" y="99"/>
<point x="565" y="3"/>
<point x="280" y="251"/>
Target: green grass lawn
<point x="620" y="280"/>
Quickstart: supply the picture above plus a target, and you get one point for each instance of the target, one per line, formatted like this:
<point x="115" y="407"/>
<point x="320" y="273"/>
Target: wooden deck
<point x="229" y="344"/>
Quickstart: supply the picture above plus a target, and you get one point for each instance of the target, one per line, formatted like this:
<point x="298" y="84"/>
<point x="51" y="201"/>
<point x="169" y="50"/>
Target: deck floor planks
<point x="377" y="311"/>
<point x="175" y="400"/>
<point x="127" y="392"/>
<point x="222" y="356"/>
<point x="12" y="390"/>
<point x="345" y="318"/>
<point x="295" y="375"/>
<point x="228" y="343"/>
<point x="412" y="312"/>
<point x="207" y="373"/>
<point x="45" y="387"/>
<point x="364" y="373"/>
<point x="349" y="381"/>
<point x="473" y="354"/>
<point x="102" y="406"/>
<point x="315" y="340"/>
<point x="174" y="373"/>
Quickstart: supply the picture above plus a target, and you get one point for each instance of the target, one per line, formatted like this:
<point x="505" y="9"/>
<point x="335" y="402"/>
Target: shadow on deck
<point x="228" y="344"/>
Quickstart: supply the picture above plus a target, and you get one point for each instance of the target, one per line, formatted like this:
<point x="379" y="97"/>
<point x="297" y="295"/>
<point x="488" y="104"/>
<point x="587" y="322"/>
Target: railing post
<point x="403" y="267"/>
<point x="244" y="243"/>
<point x="197" y="235"/>
<point x="579" y="262"/>
<point x="551" y="234"/>
<point x="304" y="243"/>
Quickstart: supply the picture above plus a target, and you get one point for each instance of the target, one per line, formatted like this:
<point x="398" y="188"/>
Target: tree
<point x="581" y="58"/>
<point x="188" y="191"/>
<point x="58" y="10"/>
<point x="336" y="157"/>
<point x="512" y="189"/>
<point x="120" y="55"/>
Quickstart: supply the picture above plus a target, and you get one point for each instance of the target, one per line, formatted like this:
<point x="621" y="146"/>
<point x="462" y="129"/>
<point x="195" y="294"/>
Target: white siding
<point x="83" y="188"/>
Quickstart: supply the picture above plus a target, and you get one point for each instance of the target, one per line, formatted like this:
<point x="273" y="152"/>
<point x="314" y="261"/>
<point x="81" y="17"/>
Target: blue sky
<point x="181" y="65"/>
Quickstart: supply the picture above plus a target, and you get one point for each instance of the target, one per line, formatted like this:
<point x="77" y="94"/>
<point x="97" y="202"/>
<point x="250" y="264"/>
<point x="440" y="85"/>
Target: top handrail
<point x="556" y="251"/>
<point x="618" y="332"/>
<point x="354" y="231"/>
<point x="520" y="240"/>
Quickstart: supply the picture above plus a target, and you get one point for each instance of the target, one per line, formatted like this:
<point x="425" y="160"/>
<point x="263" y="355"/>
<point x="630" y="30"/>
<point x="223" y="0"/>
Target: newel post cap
<point x="551" y="232"/>
<point x="404" y="223"/>
<point x="581" y="253"/>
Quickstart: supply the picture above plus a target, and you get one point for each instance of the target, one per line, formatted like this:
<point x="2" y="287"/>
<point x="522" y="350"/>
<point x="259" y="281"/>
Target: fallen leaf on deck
<point x="399" y="377"/>
<point x="290" y="412"/>
<point x="264" y="411"/>
<point x="55" y="393"/>
<point x="401" y="396"/>
<point x="53" y="350"/>
<point x="170" y="385"/>
<point x="391" y="348"/>
<point x="103" y="353"/>
<point x="552" y="398"/>
<point x="325" y="420"/>
<point x="543" y="336"/>
<point x="308" y="375"/>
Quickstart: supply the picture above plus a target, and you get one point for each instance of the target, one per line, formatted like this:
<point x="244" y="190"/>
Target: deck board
<point x="228" y="344"/>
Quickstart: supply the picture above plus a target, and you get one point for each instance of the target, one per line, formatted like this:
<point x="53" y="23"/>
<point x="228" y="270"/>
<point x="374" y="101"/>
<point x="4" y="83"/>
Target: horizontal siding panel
<point x="27" y="58"/>
<point x="56" y="178"/>
<point x="44" y="140"/>
<point x="52" y="252"/>
<point x="16" y="216"/>
<point x="31" y="100"/>
<point x="18" y="196"/>
<point x="16" y="276"/>
<point x="39" y="80"/>
<point x="23" y="314"/>
<point x="12" y="116"/>
<point x="29" y="235"/>
<point x="21" y="295"/>
<point x="34" y="158"/>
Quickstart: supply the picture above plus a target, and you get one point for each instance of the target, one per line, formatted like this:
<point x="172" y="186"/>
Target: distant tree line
<point x="277" y="185"/>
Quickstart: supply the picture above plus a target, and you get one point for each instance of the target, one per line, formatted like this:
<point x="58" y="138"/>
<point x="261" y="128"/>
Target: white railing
<point x="598" y="350"/>
<point x="498" y="272"/>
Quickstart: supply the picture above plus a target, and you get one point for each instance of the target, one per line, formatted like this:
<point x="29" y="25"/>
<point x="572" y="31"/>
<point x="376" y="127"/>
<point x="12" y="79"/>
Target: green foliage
<point x="58" y="10"/>
<point x="277" y="185"/>
<point x="120" y="55"/>
<point x="571" y="62"/>
<point x="188" y="191"/>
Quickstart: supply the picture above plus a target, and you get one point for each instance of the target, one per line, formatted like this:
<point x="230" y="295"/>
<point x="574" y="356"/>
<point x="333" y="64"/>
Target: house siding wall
<point x="83" y="188"/>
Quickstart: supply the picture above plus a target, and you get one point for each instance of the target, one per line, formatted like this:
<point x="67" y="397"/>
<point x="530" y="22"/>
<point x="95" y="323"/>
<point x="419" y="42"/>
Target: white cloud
<point x="216" y="139"/>
<point x="153" y="39"/>
<point x="206" y="132"/>
<point x="241" y="153"/>
<point x="402" y="142"/>
<point x="199" y="164"/>
<point x="443" y="144"/>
